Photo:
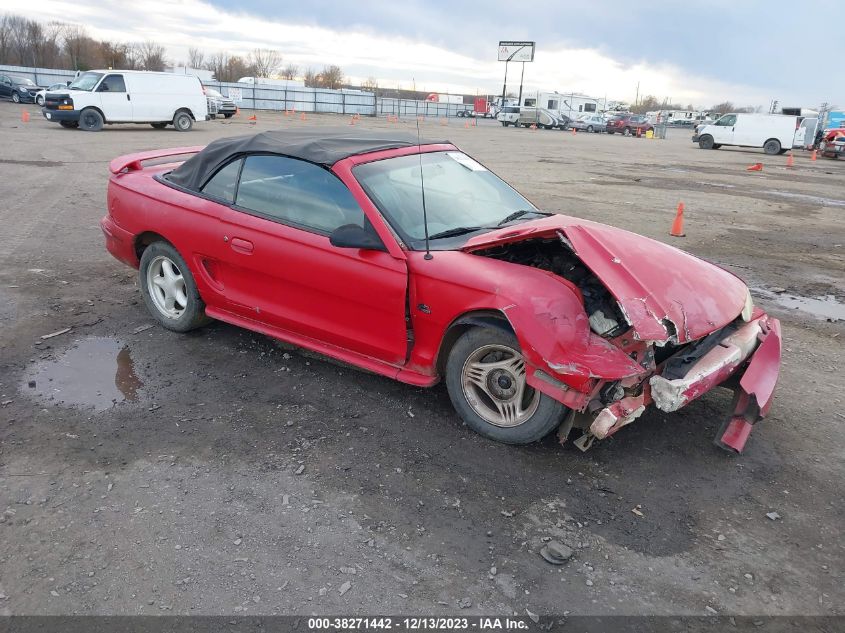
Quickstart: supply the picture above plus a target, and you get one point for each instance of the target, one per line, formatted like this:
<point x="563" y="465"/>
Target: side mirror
<point x="355" y="236"/>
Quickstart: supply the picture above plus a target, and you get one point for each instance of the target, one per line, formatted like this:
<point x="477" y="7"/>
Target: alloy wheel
<point x="167" y="288"/>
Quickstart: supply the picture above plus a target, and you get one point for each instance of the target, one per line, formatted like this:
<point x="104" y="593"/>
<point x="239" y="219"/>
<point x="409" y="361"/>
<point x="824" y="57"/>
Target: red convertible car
<point x="412" y="260"/>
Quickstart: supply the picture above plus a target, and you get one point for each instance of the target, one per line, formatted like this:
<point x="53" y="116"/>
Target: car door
<point x="723" y="130"/>
<point x="114" y="98"/>
<point x="277" y="265"/>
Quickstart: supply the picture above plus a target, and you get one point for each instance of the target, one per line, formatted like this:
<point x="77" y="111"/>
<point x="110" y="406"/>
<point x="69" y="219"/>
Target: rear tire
<point x="590" y="129"/>
<point x="626" y="132"/>
<point x="772" y="147"/>
<point x="169" y="290"/>
<point x="182" y="121"/>
<point x="485" y="377"/>
<point x="91" y="120"/>
<point x="706" y="142"/>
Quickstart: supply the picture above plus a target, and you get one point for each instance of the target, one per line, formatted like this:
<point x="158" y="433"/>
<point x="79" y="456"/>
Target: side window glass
<point x="297" y="192"/>
<point x="223" y="184"/>
<point x="112" y="83"/>
<point x="727" y="120"/>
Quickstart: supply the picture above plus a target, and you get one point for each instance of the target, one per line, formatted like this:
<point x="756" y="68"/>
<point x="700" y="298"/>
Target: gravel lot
<point x="145" y="472"/>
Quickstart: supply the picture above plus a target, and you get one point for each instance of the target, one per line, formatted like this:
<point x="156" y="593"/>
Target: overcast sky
<point x="747" y="51"/>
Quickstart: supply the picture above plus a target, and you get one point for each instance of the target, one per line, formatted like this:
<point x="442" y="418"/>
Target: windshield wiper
<point x="518" y="214"/>
<point x="458" y="230"/>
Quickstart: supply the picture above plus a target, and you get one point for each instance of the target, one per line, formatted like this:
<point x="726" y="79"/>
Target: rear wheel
<point x="169" y="290"/>
<point x="159" y="126"/>
<point x="626" y="132"/>
<point x="706" y="142"/>
<point x="772" y="146"/>
<point x="91" y="120"/>
<point x="485" y="377"/>
<point x="182" y="121"/>
<point x="590" y="129"/>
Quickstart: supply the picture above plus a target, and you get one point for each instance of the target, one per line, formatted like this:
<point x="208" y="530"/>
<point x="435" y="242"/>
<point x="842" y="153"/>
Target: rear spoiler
<point x="132" y="162"/>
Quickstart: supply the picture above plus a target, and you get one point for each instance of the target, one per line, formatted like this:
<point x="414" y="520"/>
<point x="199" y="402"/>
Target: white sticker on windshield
<point x="466" y="161"/>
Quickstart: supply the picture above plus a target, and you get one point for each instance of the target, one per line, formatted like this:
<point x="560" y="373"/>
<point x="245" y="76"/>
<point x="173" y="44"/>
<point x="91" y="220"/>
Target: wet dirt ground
<point x="146" y="472"/>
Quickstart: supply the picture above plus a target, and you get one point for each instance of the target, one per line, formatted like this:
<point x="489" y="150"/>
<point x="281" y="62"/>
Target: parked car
<point x="101" y="97"/>
<point x="628" y="124"/>
<point x="589" y="123"/>
<point x="775" y="133"/>
<point x="832" y="144"/>
<point x="508" y="115"/>
<point x="534" y="320"/>
<point x="542" y="118"/>
<point x="18" y="89"/>
<point x="219" y="103"/>
<point x="39" y="96"/>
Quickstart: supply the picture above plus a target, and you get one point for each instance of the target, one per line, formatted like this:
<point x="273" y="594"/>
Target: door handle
<point x="128" y="97"/>
<point x="242" y="246"/>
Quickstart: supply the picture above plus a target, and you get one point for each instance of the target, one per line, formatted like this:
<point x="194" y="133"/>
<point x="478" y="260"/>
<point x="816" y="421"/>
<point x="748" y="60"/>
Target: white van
<point x="101" y="97"/>
<point x="775" y="133"/>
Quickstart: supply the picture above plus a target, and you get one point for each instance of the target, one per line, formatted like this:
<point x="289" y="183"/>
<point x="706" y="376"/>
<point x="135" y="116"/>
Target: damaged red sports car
<point x="412" y="260"/>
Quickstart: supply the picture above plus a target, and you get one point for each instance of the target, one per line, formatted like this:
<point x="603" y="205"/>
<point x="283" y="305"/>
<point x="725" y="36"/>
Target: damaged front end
<point x="661" y="327"/>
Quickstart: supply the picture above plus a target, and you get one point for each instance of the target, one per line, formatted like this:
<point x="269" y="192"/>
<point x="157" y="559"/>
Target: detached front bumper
<point x="751" y="353"/>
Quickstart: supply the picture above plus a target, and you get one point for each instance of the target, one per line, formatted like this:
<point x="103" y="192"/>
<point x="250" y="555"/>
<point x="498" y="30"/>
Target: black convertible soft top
<point x="321" y="146"/>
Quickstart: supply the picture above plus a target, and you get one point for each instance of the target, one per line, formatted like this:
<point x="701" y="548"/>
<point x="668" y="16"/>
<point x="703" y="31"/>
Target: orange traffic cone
<point x="466" y="125"/>
<point x="533" y="126"/>
<point x="790" y="160"/>
<point x="813" y="155"/>
<point x="678" y="224"/>
<point x="25" y="116"/>
<point x="352" y="120"/>
<point x="475" y="123"/>
<point x="444" y="121"/>
<point x="302" y="117"/>
<point x="755" y="167"/>
<point x="574" y="131"/>
<point x="253" y="119"/>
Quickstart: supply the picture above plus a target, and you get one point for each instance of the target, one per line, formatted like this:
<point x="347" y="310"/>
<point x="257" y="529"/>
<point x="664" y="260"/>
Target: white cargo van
<point x="101" y="97"/>
<point x="775" y="133"/>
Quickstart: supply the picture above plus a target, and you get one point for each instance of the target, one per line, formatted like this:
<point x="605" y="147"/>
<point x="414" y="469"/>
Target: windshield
<point x="86" y="81"/>
<point x="462" y="197"/>
<point x="23" y="81"/>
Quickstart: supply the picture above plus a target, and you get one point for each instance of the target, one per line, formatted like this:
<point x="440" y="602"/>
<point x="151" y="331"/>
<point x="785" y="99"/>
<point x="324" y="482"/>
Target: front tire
<point x="706" y="142"/>
<point x="39" y="101"/>
<point x="169" y="290"/>
<point x="485" y="377"/>
<point x="590" y="129"/>
<point x="16" y="97"/>
<point x="626" y="132"/>
<point x="182" y="121"/>
<point x="91" y="120"/>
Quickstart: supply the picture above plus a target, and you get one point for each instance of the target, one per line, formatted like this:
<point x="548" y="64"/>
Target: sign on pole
<point x="235" y="95"/>
<point x="516" y="51"/>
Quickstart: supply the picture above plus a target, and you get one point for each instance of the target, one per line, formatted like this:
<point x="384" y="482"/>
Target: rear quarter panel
<point x="140" y="204"/>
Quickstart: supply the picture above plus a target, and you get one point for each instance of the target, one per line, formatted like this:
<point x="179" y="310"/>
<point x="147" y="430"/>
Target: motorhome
<point x="567" y="104"/>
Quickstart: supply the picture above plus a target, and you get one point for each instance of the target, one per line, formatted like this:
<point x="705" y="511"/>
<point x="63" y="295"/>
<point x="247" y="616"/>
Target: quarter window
<point x="589" y="107"/>
<point x="296" y="192"/>
<point x="223" y="184"/>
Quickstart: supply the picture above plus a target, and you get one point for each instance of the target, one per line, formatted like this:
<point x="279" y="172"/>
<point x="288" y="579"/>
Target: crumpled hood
<point x="664" y="292"/>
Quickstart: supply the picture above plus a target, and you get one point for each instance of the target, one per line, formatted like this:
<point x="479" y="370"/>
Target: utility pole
<point x="519" y="101"/>
<point x="637" y="97"/>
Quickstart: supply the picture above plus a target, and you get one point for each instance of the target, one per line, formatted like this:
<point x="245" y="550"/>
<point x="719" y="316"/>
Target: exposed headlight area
<point x="748" y="308"/>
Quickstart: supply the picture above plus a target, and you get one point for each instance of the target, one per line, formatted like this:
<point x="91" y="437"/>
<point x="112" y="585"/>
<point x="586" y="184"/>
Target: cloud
<point x="393" y="58"/>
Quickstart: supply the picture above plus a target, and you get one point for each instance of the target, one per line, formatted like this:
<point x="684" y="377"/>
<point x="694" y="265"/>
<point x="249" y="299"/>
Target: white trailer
<point x="775" y="133"/>
<point x="569" y="104"/>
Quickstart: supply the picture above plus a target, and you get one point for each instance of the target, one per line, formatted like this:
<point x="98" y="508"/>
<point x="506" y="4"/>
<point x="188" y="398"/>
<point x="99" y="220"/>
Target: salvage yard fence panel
<point x="280" y="98"/>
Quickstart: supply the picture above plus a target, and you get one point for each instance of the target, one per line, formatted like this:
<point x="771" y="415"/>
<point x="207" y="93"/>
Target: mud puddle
<point x="826" y="307"/>
<point x="94" y="373"/>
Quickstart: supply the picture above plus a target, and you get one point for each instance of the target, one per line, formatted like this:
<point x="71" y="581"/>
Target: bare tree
<point x="77" y="46"/>
<point x="151" y="56"/>
<point x="226" y="68"/>
<point x="721" y="108"/>
<point x="370" y="84"/>
<point x="265" y="61"/>
<point x="311" y="78"/>
<point x="196" y="58"/>
<point x="290" y="71"/>
<point x="331" y="77"/>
